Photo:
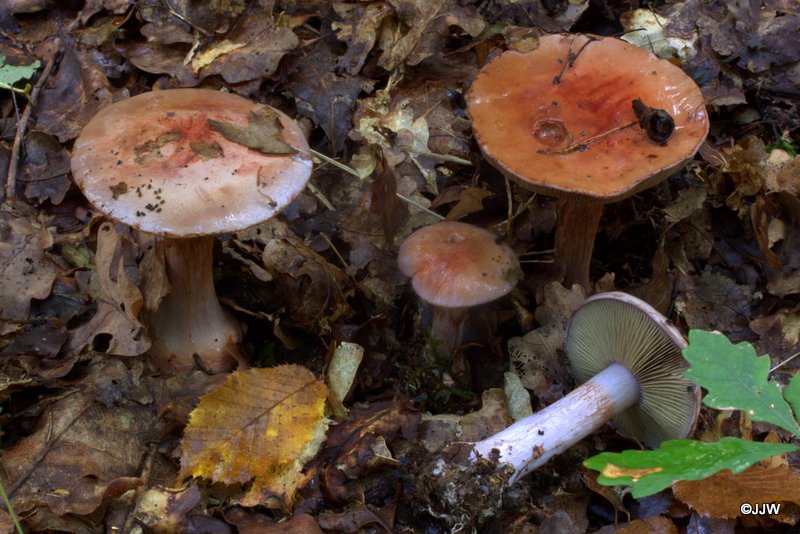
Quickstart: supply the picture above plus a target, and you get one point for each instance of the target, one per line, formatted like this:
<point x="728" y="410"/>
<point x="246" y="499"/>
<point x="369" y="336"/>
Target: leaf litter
<point x="380" y="87"/>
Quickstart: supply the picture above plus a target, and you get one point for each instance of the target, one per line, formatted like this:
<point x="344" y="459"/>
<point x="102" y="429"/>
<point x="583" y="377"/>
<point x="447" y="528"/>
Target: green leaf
<point x="792" y="393"/>
<point x="11" y="75"/>
<point x="649" y="472"/>
<point x="736" y="379"/>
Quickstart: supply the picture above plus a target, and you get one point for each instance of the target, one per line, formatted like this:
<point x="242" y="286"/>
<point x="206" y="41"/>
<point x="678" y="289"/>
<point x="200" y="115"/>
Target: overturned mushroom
<point x="454" y="266"/>
<point x="560" y="120"/>
<point x="631" y="364"/>
<point x="186" y="164"/>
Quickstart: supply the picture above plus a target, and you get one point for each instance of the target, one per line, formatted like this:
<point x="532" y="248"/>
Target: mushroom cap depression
<point x="616" y="327"/>
<point x="457" y="265"/>
<point x="177" y="162"/>
<point x="521" y="117"/>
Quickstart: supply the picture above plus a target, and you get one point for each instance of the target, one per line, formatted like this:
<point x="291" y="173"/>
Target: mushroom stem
<point x="190" y="321"/>
<point x="576" y="227"/>
<point x="532" y="441"/>
<point x="448" y="326"/>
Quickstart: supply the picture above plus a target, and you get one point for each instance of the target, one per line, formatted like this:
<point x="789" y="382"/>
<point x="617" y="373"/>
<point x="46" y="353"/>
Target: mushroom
<point x="454" y="266"/>
<point x="186" y="164"/>
<point x="630" y="362"/>
<point x="560" y="120"/>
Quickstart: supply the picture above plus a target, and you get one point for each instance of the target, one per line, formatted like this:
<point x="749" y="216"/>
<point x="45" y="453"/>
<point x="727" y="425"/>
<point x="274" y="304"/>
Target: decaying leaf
<point x="258" y="429"/>
<point x="359" y="29"/>
<point x="779" y="333"/>
<point x="342" y="372"/>
<point x="115" y="327"/>
<point x="350" y="445"/>
<point x="25" y="271"/>
<point x="72" y="463"/>
<point x="420" y="26"/>
<point x="165" y="511"/>
<point x="721" y="495"/>
<point x="251" y="51"/>
<point x="315" y="291"/>
<point x="713" y="301"/>
<point x="324" y="96"/>
<point x="263" y="134"/>
<point x="470" y="201"/>
<point x="79" y="90"/>
<point x="534" y="356"/>
<point x="46" y="168"/>
<point x="438" y="431"/>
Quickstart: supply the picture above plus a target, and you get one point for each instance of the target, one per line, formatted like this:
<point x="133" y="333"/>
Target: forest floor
<point x="94" y="435"/>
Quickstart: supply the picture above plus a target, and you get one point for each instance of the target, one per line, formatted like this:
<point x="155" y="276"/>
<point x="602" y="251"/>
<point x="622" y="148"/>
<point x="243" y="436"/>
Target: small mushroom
<point x="454" y="266"/>
<point x="560" y="120"/>
<point x="186" y="164"/>
<point x="630" y="362"/>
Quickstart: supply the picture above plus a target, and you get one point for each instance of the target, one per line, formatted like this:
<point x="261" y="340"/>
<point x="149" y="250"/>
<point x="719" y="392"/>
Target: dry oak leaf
<point x="259" y="427"/>
<point x="25" y="271"/>
<point x="119" y="302"/>
<point x="721" y="495"/>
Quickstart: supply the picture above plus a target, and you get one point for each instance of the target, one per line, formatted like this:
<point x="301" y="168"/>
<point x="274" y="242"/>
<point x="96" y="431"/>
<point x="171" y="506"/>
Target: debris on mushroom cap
<point x="527" y="108"/>
<point x="454" y="265"/>
<point x="188" y="162"/>
<point x="616" y="327"/>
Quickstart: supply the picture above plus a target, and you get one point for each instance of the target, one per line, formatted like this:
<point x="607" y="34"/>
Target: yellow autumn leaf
<point x="259" y="427"/>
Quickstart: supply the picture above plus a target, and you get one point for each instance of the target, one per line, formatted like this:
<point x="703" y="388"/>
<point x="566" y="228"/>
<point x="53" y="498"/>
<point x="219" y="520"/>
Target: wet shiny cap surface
<point x="155" y="162"/>
<point x="527" y="108"/>
<point x="456" y="265"/>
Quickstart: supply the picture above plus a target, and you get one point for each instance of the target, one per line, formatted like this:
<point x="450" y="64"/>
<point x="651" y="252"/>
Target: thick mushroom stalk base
<point x="576" y="228"/>
<point x="190" y="323"/>
<point x="532" y="441"/>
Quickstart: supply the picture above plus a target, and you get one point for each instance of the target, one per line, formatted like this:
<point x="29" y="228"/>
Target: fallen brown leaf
<point x="73" y="463"/>
<point x="25" y="271"/>
<point x="721" y="495"/>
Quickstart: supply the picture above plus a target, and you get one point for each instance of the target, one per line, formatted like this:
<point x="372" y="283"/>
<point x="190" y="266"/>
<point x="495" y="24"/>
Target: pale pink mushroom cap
<point x="457" y="265"/>
<point x="153" y="162"/>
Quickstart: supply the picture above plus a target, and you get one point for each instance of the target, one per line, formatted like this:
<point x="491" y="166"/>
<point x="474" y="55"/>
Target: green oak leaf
<point x="10" y="75"/>
<point x="792" y="393"/>
<point x="649" y="472"/>
<point x="736" y="378"/>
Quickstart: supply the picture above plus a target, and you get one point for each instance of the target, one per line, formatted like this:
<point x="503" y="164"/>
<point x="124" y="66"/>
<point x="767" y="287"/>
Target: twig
<point x="784" y="362"/>
<point x="571" y="58"/>
<point x="419" y="206"/>
<point x="145" y="478"/>
<point x="13" y="165"/>
<point x="583" y="145"/>
<point x="352" y="171"/>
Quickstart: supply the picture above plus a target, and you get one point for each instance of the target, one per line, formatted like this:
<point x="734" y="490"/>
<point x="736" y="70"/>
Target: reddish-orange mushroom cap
<point x="525" y="107"/>
<point x="457" y="265"/>
<point x="155" y="162"/>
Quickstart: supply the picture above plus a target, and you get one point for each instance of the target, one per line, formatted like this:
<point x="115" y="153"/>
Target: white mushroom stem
<point x="576" y="228"/>
<point x="190" y="321"/>
<point x="447" y="325"/>
<point x="532" y="441"/>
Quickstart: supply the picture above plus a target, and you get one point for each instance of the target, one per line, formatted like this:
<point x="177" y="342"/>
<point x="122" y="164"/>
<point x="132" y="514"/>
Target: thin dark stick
<point x="571" y="58"/>
<point x="13" y="165"/>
